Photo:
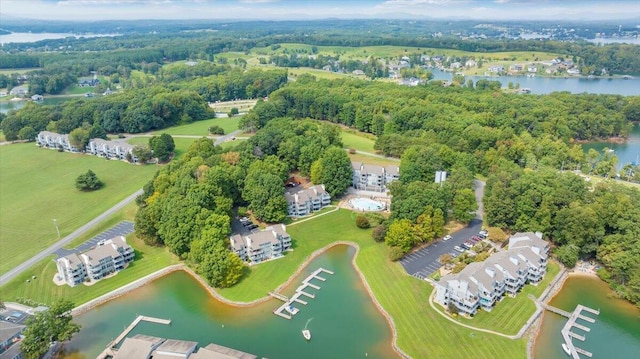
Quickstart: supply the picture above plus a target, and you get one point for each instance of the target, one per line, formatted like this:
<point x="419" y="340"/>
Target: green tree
<point x="233" y="112"/>
<point x="362" y="222"/>
<point x="88" y="182"/>
<point x="337" y="173"/>
<point x="379" y="232"/>
<point x="143" y="153"/>
<point x="264" y="189"/>
<point x="316" y="172"/>
<point x="79" y="138"/>
<point x="400" y="234"/>
<point x="464" y="205"/>
<point x="27" y="134"/>
<point x="53" y="325"/>
<point x="162" y="146"/>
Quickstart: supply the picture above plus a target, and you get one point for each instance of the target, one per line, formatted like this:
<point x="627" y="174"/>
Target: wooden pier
<point x="567" y="334"/>
<point x="110" y="352"/>
<point x="282" y="310"/>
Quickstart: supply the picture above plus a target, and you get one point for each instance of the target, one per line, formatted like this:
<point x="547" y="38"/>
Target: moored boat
<point x="566" y="349"/>
<point x="306" y="334"/>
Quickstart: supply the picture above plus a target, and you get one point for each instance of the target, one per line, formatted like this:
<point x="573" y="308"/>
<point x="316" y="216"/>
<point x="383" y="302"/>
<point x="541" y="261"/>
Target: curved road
<point x="59" y="244"/>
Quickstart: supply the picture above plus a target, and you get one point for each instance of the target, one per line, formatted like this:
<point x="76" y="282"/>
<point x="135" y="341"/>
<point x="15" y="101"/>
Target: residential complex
<point x="372" y="177"/>
<point x="10" y="335"/>
<point x="263" y="245"/>
<point x="146" y="347"/>
<point x="107" y="257"/>
<point x="303" y="202"/>
<point x="97" y="146"/>
<point x="482" y="284"/>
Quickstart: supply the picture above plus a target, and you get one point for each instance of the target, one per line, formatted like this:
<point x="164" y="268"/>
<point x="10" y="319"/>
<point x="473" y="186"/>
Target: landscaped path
<point x="5" y="278"/>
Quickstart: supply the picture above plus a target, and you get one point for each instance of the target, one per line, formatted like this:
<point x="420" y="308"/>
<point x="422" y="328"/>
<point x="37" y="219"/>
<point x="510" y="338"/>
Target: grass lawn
<point x="77" y="90"/>
<point x="43" y="290"/>
<point x="511" y="314"/>
<point x="320" y="74"/>
<point x="19" y="71"/>
<point x="201" y="128"/>
<point x="422" y="332"/>
<point x="128" y="213"/>
<point x="371" y="160"/>
<point x="182" y="144"/>
<point x="226" y="106"/>
<point x="357" y="141"/>
<point x="38" y="186"/>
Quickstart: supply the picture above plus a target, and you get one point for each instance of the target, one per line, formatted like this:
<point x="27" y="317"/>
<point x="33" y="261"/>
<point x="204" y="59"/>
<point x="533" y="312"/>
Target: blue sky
<point x="91" y="10"/>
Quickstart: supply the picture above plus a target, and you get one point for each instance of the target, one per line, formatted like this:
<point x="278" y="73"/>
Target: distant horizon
<point x="291" y="10"/>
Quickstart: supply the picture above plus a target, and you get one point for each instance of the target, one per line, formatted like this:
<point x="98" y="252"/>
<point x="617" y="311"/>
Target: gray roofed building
<point x="373" y="177"/>
<point x="148" y="347"/>
<point x="136" y="348"/>
<point x="173" y="348"/>
<point x="10" y="334"/>
<point x="215" y="351"/>
<point x="306" y="201"/>
<point x="263" y="245"/>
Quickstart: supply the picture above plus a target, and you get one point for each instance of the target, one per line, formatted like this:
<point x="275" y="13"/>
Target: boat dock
<point x="109" y="351"/>
<point x="287" y="310"/>
<point x="567" y="334"/>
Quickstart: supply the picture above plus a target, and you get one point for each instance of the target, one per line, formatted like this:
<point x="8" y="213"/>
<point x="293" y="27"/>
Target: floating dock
<point x="567" y="334"/>
<point x="287" y="310"/>
<point x="109" y="351"/>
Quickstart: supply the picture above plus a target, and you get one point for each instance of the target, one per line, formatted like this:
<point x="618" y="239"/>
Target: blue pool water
<point x="366" y="204"/>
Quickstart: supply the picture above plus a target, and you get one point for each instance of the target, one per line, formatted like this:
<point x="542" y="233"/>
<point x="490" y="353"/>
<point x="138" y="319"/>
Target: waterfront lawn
<point x="422" y="332"/>
<point x="352" y="139"/>
<point x="201" y="128"/>
<point x="38" y="186"/>
<point x="509" y="315"/>
<point x="43" y="290"/>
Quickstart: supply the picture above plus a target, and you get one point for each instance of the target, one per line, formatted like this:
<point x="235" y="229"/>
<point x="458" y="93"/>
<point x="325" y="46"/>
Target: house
<point x="496" y="69"/>
<point x="37" y="97"/>
<point x="20" y="91"/>
<point x="516" y="68"/>
<point x="573" y="72"/>
<point x="111" y="149"/>
<point x="455" y="65"/>
<point x="358" y="72"/>
<point x="110" y="256"/>
<point x="89" y="82"/>
<point x="482" y="284"/>
<point x="146" y="347"/>
<point x="258" y="247"/>
<point x="470" y="63"/>
<point x="10" y="335"/>
<point x="303" y="202"/>
<point x="55" y="141"/>
<point x="327" y="68"/>
<point x="107" y="92"/>
<point x="372" y="177"/>
<point x="532" y="69"/>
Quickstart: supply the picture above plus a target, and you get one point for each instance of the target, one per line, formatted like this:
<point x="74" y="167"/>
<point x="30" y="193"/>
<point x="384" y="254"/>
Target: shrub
<point x="379" y="233"/>
<point x="234" y="111"/>
<point x="88" y="182"/>
<point x="216" y="130"/>
<point x="375" y="218"/>
<point x="395" y="253"/>
<point x="496" y="234"/>
<point x="362" y="222"/>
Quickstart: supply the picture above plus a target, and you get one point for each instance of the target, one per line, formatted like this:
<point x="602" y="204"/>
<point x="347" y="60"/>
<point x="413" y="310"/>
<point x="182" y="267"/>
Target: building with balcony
<point x="260" y="246"/>
<point x="10" y="336"/>
<point x="98" y="147"/>
<point x="302" y="202"/>
<point x="55" y="141"/>
<point x="110" y="256"/>
<point x="372" y="177"/>
<point x="483" y="284"/>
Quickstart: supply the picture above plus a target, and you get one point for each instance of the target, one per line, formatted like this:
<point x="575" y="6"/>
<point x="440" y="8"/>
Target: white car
<point x="457" y="248"/>
<point x="446" y="238"/>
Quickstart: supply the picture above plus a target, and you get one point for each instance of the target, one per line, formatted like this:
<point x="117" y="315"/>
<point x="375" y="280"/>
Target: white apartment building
<point x="303" y="202"/>
<point x="482" y="284"/>
<point x="372" y="177"/>
<point x="257" y="247"/>
<point x="96" y="146"/>
<point x="107" y="257"/>
<point x="55" y="141"/>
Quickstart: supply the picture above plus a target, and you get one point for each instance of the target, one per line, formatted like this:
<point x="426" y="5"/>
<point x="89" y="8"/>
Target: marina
<point x="110" y="351"/>
<point x="568" y="335"/>
<point x="287" y="310"/>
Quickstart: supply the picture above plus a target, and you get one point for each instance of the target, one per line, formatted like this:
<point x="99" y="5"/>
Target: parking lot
<point x="121" y="229"/>
<point x="424" y="262"/>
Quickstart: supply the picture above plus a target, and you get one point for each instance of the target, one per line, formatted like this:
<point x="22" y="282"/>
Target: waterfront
<point x="615" y="333"/>
<point x="628" y="151"/>
<point x="6" y="106"/>
<point x="21" y="37"/>
<point x="345" y="321"/>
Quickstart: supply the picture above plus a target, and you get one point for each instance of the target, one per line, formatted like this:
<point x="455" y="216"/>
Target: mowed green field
<point x="422" y="332"/>
<point x="38" y="185"/>
<point x="182" y="144"/>
<point x="358" y="141"/>
<point x="201" y="128"/>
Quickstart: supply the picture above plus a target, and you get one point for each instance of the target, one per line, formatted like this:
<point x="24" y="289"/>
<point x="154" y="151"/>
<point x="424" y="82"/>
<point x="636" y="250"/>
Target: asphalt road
<point x="424" y="262"/>
<point x="121" y="229"/>
<point x="226" y="137"/>
<point x="61" y="243"/>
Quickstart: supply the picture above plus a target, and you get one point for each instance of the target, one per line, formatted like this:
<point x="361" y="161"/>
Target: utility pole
<point x="55" y="223"/>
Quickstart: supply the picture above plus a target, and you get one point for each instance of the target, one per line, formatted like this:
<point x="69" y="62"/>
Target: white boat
<point x="291" y="309"/>
<point x="566" y="349"/>
<point x="306" y="334"/>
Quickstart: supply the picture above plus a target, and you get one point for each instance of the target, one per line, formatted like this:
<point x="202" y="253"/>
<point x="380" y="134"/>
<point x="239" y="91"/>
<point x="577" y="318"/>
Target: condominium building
<point x="146" y="347"/>
<point x="107" y="257"/>
<point x="303" y="202"/>
<point x="373" y="177"/>
<point x="260" y="246"/>
<point x="96" y="146"/>
<point x="55" y="141"/>
<point x="482" y="284"/>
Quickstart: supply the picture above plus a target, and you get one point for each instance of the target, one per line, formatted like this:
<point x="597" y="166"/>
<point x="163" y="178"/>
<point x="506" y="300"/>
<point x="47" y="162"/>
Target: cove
<point x="627" y="152"/>
<point x="615" y="334"/>
<point x="345" y="324"/>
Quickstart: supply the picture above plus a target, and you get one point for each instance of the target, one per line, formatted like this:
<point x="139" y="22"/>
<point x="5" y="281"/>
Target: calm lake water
<point x="33" y="37"/>
<point x="615" y="334"/>
<point x="627" y="152"/>
<point x="545" y="85"/>
<point x="345" y="321"/>
<point x="6" y="106"/>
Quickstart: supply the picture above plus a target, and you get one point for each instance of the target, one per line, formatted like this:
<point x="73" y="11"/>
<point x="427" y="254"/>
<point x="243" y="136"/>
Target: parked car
<point x="476" y="239"/>
<point x="483" y="234"/>
<point x="446" y="238"/>
<point x="457" y="248"/>
<point x="466" y="245"/>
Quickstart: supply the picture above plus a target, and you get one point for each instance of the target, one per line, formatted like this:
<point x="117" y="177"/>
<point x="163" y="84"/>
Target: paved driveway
<point x="424" y="262"/>
<point x="121" y="229"/>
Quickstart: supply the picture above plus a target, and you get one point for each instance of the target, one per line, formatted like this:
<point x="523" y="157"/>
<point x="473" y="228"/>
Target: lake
<point x="345" y="322"/>
<point x="6" y="106"/>
<point x="615" y="333"/>
<point x="545" y="85"/>
<point x="34" y="37"/>
<point x="627" y="152"/>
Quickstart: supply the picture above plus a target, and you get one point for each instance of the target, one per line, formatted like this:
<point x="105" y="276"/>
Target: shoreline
<point x="103" y="299"/>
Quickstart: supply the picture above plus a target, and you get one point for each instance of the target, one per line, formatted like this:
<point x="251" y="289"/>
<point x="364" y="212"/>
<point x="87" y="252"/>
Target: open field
<point x="226" y="106"/>
<point x="43" y="290"/>
<point x="201" y="128"/>
<point x="361" y="142"/>
<point x="320" y="74"/>
<point x="18" y="71"/>
<point x="38" y="186"/>
<point x="422" y="332"/>
<point x="182" y="145"/>
<point x="511" y="314"/>
<point x="371" y="160"/>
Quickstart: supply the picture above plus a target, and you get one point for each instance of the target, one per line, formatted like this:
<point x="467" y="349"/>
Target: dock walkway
<point x="109" y="351"/>
<point x="287" y="310"/>
<point x="567" y="334"/>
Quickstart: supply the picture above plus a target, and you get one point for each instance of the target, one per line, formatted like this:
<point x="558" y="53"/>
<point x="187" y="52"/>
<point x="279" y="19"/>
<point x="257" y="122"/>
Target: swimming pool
<point x="366" y="204"/>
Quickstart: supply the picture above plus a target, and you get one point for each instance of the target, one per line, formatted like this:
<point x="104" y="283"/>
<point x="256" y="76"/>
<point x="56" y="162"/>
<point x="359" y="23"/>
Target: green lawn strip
<point x="77" y="90"/>
<point x="38" y="186"/>
<point x="373" y="160"/>
<point x="509" y="315"/>
<point x="182" y="145"/>
<point x="357" y="141"/>
<point x="320" y="74"/>
<point x="127" y="213"/>
<point x="201" y="128"/>
<point x="43" y="290"/>
<point x="19" y="71"/>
